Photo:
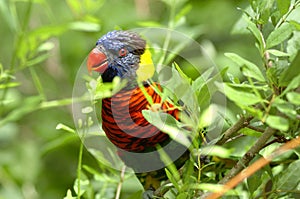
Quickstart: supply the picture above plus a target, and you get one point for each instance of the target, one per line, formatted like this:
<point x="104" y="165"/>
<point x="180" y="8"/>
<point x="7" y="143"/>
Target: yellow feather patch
<point x="146" y="69"/>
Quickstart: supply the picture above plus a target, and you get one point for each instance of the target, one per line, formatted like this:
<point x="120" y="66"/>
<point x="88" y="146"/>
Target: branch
<point x="241" y="123"/>
<point x="250" y="154"/>
<point x="255" y="167"/>
<point x="118" y="193"/>
<point x="256" y="128"/>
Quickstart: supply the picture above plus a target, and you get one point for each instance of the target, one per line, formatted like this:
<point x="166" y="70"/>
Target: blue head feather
<point x="125" y="66"/>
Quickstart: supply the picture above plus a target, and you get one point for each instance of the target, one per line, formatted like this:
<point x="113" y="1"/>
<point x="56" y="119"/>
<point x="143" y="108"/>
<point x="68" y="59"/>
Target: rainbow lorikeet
<point x="122" y="54"/>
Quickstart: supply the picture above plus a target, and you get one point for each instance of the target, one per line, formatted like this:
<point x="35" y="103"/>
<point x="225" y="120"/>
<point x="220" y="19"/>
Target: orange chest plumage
<point x="125" y="125"/>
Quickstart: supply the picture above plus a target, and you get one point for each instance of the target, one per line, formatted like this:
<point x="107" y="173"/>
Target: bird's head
<point x="119" y="53"/>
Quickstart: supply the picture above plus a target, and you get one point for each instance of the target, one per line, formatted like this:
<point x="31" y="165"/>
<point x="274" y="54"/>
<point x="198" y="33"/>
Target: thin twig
<point x="256" y="128"/>
<point x="250" y="154"/>
<point x="118" y="193"/>
<point x="241" y="123"/>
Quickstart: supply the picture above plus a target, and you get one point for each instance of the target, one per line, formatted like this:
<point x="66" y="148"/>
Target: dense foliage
<point x="254" y="46"/>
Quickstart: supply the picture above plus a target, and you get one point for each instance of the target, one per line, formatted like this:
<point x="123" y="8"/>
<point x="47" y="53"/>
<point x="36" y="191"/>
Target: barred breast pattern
<point x="124" y="124"/>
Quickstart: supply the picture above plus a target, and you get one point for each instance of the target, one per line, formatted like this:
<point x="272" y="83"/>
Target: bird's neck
<point x="129" y="75"/>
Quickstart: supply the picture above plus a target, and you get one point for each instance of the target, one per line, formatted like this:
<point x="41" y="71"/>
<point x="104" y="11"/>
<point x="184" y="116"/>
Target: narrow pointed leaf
<point x="279" y="35"/>
<point x="249" y="69"/>
<point x="278" y="122"/>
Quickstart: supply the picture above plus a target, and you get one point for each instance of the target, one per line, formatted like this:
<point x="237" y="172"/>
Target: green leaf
<point x="212" y="188"/>
<point x="75" y="6"/>
<point x="168" y="124"/>
<point x="249" y="69"/>
<point x="254" y="181"/>
<point x="9" y="15"/>
<point x="279" y="35"/>
<point x="250" y="132"/>
<point x="172" y="179"/>
<point x="37" y="59"/>
<point x="64" y="127"/>
<point x="278" y="122"/>
<point x="285" y="107"/>
<point x="149" y="24"/>
<point x="84" y="26"/>
<point x="240" y="96"/>
<point x="296" y="24"/>
<point x="46" y="46"/>
<point x="181" y="73"/>
<point x="289" y="178"/>
<point x="256" y="32"/>
<point x="183" y="195"/>
<point x="283" y="6"/>
<point x="69" y="195"/>
<point x="262" y="9"/>
<point x="293" y="97"/>
<point x="9" y="85"/>
<point x="215" y="150"/>
<point x="29" y="105"/>
<point x="183" y="12"/>
<point x="83" y="183"/>
<point x="292" y="72"/>
<point x="278" y="53"/>
<point x="295" y="83"/>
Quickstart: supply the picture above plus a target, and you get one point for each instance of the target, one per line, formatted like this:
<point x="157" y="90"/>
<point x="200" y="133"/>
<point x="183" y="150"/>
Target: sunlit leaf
<point x="295" y="83"/>
<point x="84" y="184"/>
<point x="291" y="73"/>
<point x="296" y="24"/>
<point x="69" y="195"/>
<point x="84" y="26"/>
<point x="285" y="107"/>
<point x="240" y="96"/>
<point x="168" y="124"/>
<point x="278" y="53"/>
<point x="256" y="32"/>
<point x="250" y="70"/>
<point x="277" y="122"/>
<point x="254" y="181"/>
<point x="215" y="151"/>
<point x="9" y="85"/>
<point x="64" y="127"/>
<point x="283" y="6"/>
<point x="279" y="35"/>
<point x="293" y="97"/>
<point x="173" y="179"/>
<point x="289" y="178"/>
<point x="47" y="46"/>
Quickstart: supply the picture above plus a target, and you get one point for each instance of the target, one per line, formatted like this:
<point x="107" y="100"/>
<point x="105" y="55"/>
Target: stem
<point x="284" y="17"/>
<point x="250" y="154"/>
<point x="19" y="40"/>
<point x="118" y="193"/>
<point x="79" y="166"/>
<point x="255" y="167"/>
<point x="79" y="169"/>
<point x="168" y="36"/>
<point x="37" y="82"/>
<point x="256" y="128"/>
<point x="241" y="123"/>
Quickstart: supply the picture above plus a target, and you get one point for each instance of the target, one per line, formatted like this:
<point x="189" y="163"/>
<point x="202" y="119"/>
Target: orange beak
<point x="97" y="61"/>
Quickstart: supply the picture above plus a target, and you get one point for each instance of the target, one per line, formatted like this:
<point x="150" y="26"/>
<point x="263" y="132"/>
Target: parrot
<point x="124" y="54"/>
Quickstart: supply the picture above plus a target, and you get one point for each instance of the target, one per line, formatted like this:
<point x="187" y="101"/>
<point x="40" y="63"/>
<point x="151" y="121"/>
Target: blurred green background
<point x="43" y="43"/>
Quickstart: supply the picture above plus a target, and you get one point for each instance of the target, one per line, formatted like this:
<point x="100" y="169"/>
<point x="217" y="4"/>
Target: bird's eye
<point x="122" y="52"/>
